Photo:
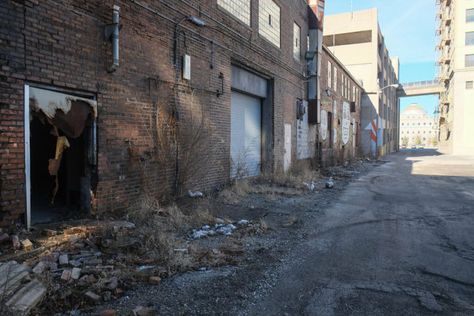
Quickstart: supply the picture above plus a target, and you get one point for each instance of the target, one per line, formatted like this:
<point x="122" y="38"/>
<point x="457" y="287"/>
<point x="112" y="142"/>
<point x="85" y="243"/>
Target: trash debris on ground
<point x="311" y="186"/>
<point x="330" y="183"/>
<point x="217" y="229"/>
<point x="196" y="194"/>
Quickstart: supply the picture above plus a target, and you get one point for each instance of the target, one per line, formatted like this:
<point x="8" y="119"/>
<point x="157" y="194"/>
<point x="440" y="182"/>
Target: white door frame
<point x="26" y="128"/>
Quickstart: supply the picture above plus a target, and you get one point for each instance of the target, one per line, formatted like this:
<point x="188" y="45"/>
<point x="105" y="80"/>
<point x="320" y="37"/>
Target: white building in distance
<point x="417" y="127"/>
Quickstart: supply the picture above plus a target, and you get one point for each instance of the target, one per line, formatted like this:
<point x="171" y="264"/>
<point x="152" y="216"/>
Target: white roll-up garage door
<point x="246" y="135"/>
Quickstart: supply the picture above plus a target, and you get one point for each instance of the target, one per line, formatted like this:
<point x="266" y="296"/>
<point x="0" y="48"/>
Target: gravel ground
<point x="290" y="217"/>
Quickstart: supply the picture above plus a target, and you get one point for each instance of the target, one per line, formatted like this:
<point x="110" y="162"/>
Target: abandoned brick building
<point x="340" y="129"/>
<point x="103" y="102"/>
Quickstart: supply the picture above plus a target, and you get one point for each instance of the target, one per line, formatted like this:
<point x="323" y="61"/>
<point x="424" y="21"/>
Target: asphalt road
<point x="398" y="241"/>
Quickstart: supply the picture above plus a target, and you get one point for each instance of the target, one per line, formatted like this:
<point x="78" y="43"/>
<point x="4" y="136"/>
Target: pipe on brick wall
<point x="115" y="32"/>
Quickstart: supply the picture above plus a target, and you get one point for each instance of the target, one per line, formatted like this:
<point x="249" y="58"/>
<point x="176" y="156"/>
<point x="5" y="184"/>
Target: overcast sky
<point x="409" y="30"/>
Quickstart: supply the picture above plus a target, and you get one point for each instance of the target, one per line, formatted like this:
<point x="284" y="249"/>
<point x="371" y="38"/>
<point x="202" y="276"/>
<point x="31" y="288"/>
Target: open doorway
<point x="61" y="145"/>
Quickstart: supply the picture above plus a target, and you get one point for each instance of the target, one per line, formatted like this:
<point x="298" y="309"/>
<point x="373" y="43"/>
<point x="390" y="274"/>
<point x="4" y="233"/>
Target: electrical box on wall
<point x="187" y="67"/>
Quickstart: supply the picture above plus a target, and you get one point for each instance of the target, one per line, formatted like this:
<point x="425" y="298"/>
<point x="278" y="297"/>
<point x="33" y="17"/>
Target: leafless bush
<point x="163" y="232"/>
<point x="294" y="178"/>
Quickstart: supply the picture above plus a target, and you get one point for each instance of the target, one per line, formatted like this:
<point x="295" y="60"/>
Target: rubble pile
<point x="78" y="266"/>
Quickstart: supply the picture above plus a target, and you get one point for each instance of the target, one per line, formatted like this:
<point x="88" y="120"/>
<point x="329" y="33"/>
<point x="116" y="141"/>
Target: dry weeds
<point x="272" y="186"/>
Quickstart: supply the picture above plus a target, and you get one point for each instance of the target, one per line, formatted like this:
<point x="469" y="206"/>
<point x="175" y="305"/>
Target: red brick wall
<point x="338" y="153"/>
<point x="60" y="43"/>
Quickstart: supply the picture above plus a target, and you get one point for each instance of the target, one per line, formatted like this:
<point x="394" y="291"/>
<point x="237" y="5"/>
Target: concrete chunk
<point x="92" y="296"/>
<point x="11" y="275"/>
<point x="40" y="267"/>
<point x="75" y="273"/>
<point x="63" y="260"/>
<point x="27" y="297"/>
<point x="15" y="242"/>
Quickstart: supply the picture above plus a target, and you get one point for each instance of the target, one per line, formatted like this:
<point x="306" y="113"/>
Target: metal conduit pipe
<point x="114" y="37"/>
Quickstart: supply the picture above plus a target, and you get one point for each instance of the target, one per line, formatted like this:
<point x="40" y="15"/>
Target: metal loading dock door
<point x="246" y="135"/>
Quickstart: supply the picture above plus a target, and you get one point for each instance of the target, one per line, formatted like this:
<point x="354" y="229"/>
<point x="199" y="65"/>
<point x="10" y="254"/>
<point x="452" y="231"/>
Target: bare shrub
<point x="239" y="189"/>
<point x="163" y="232"/>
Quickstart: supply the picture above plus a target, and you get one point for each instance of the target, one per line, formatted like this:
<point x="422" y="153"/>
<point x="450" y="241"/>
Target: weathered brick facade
<point x="333" y="96"/>
<point x="60" y="44"/>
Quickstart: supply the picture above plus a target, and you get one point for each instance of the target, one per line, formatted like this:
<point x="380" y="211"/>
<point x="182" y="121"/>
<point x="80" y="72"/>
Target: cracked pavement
<point x="399" y="240"/>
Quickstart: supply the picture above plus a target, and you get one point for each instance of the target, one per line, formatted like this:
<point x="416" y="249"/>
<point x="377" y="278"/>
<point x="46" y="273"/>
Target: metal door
<point x="246" y="135"/>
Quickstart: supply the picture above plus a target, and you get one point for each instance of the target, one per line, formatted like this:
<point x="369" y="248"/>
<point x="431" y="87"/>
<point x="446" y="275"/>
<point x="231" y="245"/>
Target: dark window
<point x="470" y="38"/>
<point x="469" y="15"/>
<point x="469" y="85"/>
<point x="469" y="61"/>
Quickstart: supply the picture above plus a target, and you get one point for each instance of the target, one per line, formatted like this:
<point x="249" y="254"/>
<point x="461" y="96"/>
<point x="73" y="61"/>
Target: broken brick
<point x="66" y="275"/>
<point x="154" y="279"/>
<point x="27" y="245"/>
<point x="108" y="312"/>
<point x="50" y="232"/>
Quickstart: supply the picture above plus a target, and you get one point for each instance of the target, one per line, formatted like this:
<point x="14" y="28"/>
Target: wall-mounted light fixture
<point x="193" y="19"/>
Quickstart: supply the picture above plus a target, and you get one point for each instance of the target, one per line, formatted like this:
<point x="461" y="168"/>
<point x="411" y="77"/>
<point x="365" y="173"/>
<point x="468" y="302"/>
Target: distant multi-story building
<point x="417" y="127"/>
<point x="355" y="38"/>
<point x="456" y="73"/>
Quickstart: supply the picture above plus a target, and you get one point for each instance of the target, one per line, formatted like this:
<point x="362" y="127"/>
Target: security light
<point x="196" y="21"/>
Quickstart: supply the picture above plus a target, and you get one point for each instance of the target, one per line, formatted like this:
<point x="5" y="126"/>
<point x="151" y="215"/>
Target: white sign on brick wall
<point x="346" y="122"/>
<point x="306" y="137"/>
<point x="324" y="125"/>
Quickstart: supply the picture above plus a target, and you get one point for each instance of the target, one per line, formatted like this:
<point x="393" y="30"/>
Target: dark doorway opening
<point x="63" y="173"/>
<point x="73" y="176"/>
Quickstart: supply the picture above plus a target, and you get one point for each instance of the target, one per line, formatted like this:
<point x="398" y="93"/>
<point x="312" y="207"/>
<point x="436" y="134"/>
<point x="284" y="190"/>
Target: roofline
<point x="326" y="49"/>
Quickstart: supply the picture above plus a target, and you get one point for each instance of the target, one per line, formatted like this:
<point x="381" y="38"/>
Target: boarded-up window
<point x="238" y="8"/>
<point x="269" y="21"/>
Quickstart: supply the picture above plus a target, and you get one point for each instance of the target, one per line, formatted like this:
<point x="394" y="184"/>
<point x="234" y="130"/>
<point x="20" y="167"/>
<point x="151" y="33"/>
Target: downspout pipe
<point x="114" y="38"/>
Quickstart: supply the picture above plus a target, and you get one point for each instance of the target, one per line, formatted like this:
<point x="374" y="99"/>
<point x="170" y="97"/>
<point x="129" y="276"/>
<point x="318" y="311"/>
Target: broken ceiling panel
<point x="49" y="102"/>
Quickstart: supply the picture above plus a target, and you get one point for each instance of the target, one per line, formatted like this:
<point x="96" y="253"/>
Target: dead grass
<point x="294" y="178"/>
<point x="234" y="193"/>
<point x="163" y="232"/>
<point x="273" y="186"/>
